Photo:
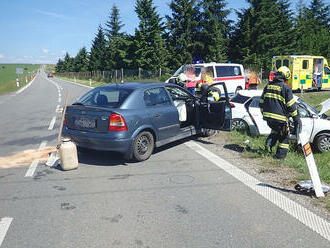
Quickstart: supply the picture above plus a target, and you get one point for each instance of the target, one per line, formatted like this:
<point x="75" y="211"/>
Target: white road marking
<point x="34" y="164"/>
<point x="26" y="86"/>
<point x="308" y="218"/>
<point x="43" y="144"/>
<point x="4" y="226"/>
<point x="32" y="168"/>
<point x="52" y="123"/>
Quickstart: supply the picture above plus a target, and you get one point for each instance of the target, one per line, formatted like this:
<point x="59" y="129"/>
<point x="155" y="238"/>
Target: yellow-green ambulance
<point x="307" y="72"/>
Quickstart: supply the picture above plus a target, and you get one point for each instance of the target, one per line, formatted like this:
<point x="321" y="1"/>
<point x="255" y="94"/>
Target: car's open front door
<point x="215" y="113"/>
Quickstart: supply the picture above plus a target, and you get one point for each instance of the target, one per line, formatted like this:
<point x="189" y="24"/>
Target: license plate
<point x="85" y="123"/>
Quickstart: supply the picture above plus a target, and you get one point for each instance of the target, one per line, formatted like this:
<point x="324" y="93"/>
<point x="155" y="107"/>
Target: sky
<point x="41" y="32"/>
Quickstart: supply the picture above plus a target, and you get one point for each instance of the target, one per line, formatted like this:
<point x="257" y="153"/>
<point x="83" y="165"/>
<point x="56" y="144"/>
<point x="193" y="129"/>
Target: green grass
<point x="99" y="82"/>
<point x="295" y="157"/>
<point x="8" y="76"/>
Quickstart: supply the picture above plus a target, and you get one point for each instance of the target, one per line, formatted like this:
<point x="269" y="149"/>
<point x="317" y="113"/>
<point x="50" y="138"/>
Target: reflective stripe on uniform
<point x="275" y="96"/>
<point x="261" y="100"/>
<point x="294" y="113"/>
<point x="290" y="103"/>
<point x="274" y="87"/>
<point x="275" y="116"/>
<point x="284" y="146"/>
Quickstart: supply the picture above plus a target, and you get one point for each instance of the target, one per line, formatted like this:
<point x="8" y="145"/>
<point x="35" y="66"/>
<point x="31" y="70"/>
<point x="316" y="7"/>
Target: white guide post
<point x="306" y="146"/>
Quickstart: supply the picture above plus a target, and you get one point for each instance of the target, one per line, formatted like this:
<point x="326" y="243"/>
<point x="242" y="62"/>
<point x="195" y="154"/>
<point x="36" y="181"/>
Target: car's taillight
<point x="232" y="105"/>
<point x="117" y="123"/>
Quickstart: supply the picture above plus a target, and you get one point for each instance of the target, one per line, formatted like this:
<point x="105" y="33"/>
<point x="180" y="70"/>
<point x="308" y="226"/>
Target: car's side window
<point x="156" y="97"/>
<point x="255" y="102"/>
<point x="302" y="111"/>
<point x="177" y="94"/>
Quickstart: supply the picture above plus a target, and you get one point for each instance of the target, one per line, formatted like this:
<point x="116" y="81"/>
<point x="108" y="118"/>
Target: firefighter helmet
<point x="286" y="72"/>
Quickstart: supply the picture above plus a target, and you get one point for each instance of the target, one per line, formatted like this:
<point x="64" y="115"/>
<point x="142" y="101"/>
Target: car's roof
<point x="250" y="93"/>
<point x="133" y="85"/>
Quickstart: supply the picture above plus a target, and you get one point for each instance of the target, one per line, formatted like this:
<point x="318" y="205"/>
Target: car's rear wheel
<point x="143" y="146"/>
<point x="239" y="125"/>
<point x="322" y="142"/>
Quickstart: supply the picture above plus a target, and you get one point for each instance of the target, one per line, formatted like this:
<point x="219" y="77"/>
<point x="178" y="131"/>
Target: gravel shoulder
<point x="281" y="178"/>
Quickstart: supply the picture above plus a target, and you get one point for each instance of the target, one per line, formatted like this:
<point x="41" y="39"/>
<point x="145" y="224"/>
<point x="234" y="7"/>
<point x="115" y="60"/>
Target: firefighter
<point x="277" y="105"/>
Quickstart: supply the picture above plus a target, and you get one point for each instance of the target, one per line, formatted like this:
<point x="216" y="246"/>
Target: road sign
<point x="19" y="70"/>
<point x="304" y="141"/>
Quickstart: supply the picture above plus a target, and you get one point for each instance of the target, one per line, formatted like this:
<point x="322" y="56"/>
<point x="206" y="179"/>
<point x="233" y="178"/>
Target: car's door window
<point x="156" y="97"/>
<point x="255" y="102"/>
<point x="326" y="71"/>
<point x="302" y="111"/>
<point x="177" y="93"/>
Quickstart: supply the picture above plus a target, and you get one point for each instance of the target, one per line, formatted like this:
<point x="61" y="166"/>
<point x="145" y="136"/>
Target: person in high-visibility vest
<point x="207" y="80"/>
<point x="277" y="105"/>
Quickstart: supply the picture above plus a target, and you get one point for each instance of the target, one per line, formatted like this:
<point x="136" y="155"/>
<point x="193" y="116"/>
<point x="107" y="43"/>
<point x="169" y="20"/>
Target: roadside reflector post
<point x="75" y="79"/>
<point x="90" y="82"/>
<point x="304" y="141"/>
<point x="26" y="80"/>
<point x="17" y="82"/>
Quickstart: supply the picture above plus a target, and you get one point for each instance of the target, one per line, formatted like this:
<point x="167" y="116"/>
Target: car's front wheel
<point x="143" y="146"/>
<point x="239" y="125"/>
<point x="322" y="142"/>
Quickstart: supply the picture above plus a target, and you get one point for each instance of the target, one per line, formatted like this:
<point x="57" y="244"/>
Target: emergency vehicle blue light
<point x="198" y="61"/>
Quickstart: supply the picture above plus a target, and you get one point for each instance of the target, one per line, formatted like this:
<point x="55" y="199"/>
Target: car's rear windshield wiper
<point x="78" y="103"/>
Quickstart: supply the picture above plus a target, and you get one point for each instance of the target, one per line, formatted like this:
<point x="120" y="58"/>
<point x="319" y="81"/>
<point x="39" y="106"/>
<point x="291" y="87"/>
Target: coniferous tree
<point x="182" y="31"/>
<point x="68" y="64"/>
<point x="117" y="42"/>
<point x="311" y="29"/>
<point x="60" y="66"/>
<point x="81" y="61"/>
<point x="268" y="32"/>
<point x="215" y="29"/>
<point x="97" y="59"/>
<point x="149" y="44"/>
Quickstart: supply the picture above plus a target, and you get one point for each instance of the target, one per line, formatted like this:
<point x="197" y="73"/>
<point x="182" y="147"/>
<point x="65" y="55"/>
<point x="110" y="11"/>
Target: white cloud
<point x="1" y="56"/>
<point x="51" y="14"/>
<point x="44" y="50"/>
<point x="63" y="51"/>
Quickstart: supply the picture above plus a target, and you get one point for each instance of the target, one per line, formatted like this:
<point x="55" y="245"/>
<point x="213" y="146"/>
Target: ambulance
<point x="231" y="74"/>
<point x="307" y="72"/>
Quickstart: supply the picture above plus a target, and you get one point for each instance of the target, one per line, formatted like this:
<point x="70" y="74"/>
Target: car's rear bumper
<point x="98" y="141"/>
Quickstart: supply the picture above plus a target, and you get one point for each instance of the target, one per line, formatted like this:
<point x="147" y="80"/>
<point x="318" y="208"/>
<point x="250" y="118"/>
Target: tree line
<point x="202" y="30"/>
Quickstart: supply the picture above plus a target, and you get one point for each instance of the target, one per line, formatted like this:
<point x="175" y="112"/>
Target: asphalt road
<point x="177" y="198"/>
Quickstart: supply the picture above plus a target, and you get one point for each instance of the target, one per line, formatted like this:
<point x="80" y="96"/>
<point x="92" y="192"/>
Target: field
<point x="8" y="76"/>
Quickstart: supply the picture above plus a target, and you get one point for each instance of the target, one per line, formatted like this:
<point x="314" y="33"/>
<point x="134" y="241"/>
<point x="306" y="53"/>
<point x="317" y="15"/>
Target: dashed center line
<point x="34" y="164"/>
<point x="52" y="123"/>
<point x="4" y="226"/>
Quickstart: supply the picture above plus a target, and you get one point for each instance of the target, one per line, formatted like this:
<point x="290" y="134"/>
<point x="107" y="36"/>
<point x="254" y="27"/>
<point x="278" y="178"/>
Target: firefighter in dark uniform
<point x="277" y="105"/>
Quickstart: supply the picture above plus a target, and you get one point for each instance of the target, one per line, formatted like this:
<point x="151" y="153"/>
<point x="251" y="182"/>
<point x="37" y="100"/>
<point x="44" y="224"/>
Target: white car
<point x="246" y="115"/>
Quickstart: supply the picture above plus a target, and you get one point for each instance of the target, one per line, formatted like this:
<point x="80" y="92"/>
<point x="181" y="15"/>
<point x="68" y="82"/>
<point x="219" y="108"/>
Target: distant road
<point x="183" y="196"/>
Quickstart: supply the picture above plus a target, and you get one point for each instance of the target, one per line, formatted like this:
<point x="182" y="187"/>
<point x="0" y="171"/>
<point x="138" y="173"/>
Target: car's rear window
<point x="240" y="98"/>
<point x="105" y="97"/>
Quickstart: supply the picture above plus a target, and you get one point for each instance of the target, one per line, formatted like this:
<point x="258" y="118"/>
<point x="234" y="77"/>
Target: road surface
<point x="182" y="196"/>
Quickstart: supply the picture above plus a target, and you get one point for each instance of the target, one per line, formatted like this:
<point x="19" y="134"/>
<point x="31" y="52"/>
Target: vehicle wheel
<point x="322" y="142"/>
<point x="237" y="90"/>
<point x="319" y="88"/>
<point x="143" y="146"/>
<point x="239" y="125"/>
<point x="208" y="132"/>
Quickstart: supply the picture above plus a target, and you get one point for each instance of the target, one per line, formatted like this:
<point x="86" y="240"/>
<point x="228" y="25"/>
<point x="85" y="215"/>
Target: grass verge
<point x="8" y="76"/>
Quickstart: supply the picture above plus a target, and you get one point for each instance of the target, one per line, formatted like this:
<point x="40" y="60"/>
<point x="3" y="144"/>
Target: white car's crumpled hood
<point x="325" y="106"/>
